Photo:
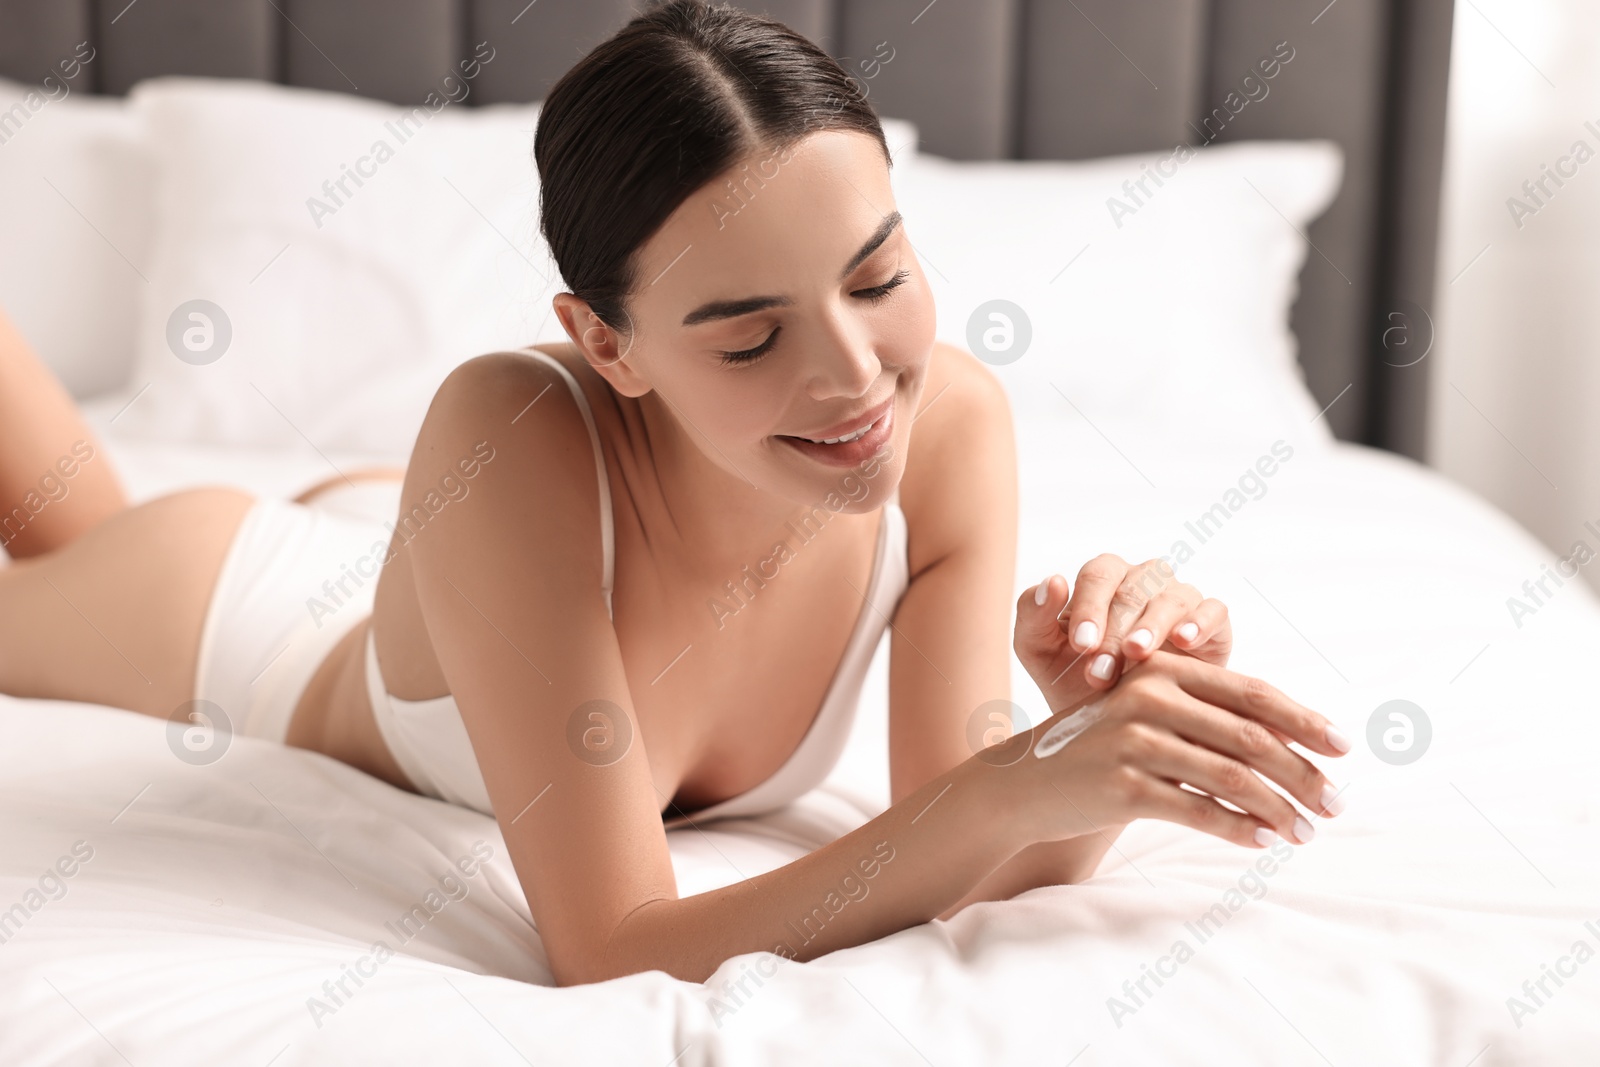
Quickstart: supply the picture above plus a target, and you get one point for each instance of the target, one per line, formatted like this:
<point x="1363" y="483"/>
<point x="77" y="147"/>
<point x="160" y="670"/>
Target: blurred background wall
<point x="1516" y="385"/>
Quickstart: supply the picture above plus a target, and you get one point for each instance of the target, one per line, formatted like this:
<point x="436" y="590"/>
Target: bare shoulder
<point x="961" y="467"/>
<point x="517" y="415"/>
<point x="518" y="396"/>
<point x="483" y="385"/>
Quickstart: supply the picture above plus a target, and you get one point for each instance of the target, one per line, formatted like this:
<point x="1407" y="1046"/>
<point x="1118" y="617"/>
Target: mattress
<point x="278" y="907"/>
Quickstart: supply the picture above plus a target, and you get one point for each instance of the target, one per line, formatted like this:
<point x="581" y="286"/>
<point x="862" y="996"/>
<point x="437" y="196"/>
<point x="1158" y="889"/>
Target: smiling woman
<point x="544" y="654"/>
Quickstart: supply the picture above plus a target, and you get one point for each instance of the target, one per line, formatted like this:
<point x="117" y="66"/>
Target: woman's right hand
<point x="1170" y="719"/>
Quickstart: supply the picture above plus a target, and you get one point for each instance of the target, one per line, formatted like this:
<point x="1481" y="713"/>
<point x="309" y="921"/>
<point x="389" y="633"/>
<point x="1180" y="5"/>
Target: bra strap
<point x="607" y="539"/>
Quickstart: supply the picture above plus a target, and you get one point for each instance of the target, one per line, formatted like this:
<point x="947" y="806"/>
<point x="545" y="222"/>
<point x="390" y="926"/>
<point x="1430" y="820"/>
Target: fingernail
<point x="1087" y="635"/>
<point x="1265" y="837"/>
<point x="1332" y="802"/>
<point x="1337" y="739"/>
<point x="1188" y="631"/>
<point x="1302" y="830"/>
<point x="1140" y="638"/>
<point x="1041" y="594"/>
<point x="1101" y="668"/>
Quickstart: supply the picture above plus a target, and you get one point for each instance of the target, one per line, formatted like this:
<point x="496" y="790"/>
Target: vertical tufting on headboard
<point x="535" y="47"/>
<point x="1333" y="88"/>
<point x="983" y="79"/>
<point x="954" y="68"/>
<point x="34" y="35"/>
<point x="1148" y="98"/>
<point x="233" y="40"/>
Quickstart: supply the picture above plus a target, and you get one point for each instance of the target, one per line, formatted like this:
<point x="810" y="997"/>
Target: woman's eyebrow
<point x="880" y="235"/>
<point x="729" y="309"/>
<point x="732" y="309"/>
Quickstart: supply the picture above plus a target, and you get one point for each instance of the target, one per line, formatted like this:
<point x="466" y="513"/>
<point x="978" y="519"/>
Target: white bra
<point x="430" y="743"/>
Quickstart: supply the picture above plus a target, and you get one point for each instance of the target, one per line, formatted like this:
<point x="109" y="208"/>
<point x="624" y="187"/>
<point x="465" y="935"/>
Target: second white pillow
<point x="323" y="261"/>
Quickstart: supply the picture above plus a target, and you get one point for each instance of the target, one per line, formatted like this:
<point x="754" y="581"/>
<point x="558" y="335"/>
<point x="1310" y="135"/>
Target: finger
<point x="1141" y="585"/>
<point x="1245" y="742"/>
<point x="1091" y="598"/>
<point x="1038" y="629"/>
<point x="1160" y="615"/>
<point x="1160" y="799"/>
<point x="1050" y="592"/>
<point x="1201" y="625"/>
<point x="1226" y="779"/>
<point x="1255" y="699"/>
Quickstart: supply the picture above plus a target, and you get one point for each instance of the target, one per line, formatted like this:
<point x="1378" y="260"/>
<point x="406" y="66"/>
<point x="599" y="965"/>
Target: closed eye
<point x="878" y="292"/>
<point x="874" y="295"/>
<point x="751" y="354"/>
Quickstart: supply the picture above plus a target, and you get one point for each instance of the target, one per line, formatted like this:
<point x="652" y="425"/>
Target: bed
<point x="222" y="901"/>
<point x="273" y="906"/>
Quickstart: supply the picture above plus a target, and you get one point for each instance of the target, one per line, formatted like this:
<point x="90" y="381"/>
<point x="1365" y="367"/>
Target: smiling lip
<point x="848" y="453"/>
<point x="840" y="429"/>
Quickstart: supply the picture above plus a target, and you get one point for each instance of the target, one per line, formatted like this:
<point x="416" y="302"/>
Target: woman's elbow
<point x="632" y="947"/>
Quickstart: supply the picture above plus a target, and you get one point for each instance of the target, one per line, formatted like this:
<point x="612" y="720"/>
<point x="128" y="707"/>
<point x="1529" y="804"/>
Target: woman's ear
<point x="604" y="348"/>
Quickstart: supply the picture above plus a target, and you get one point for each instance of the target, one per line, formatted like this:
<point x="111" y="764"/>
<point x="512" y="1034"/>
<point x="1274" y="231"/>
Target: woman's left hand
<point x="1118" y="614"/>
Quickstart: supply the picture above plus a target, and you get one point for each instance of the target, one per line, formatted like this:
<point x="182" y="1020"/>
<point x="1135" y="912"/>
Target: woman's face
<point x="783" y="300"/>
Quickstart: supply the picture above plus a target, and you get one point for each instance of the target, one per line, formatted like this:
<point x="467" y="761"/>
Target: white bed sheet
<point x="219" y="899"/>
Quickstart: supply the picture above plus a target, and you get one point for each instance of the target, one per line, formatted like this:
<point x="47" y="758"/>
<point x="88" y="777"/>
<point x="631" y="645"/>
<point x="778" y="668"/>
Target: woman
<point x="727" y="446"/>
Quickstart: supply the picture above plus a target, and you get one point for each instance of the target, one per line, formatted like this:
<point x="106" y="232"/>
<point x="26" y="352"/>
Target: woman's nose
<point x="847" y="363"/>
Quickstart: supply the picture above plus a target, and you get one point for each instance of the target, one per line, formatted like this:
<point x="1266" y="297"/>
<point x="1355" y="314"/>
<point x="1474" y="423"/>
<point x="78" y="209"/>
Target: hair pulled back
<point x="675" y="97"/>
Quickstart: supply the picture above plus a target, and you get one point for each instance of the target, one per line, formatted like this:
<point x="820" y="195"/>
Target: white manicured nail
<point x="1140" y="638"/>
<point x="1102" y="666"/>
<point x="1188" y="631"/>
<point x="1265" y="837"/>
<point x="1337" y="739"/>
<point x="1332" y="802"/>
<point x="1087" y="635"/>
<point x="1041" y="594"/>
<point x="1302" y="830"/>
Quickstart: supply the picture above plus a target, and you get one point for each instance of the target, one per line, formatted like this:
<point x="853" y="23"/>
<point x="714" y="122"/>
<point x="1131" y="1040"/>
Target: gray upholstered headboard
<point x="983" y="79"/>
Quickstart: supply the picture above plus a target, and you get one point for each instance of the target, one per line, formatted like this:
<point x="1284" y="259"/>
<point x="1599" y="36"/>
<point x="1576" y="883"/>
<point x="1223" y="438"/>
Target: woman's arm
<point x="508" y="581"/>
<point x="1008" y="802"/>
<point x="950" y="676"/>
<point x="950" y="653"/>
<point x="905" y="867"/>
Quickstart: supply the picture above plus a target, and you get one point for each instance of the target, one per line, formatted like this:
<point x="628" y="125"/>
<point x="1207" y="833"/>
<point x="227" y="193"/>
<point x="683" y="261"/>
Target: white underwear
<point x="295" y="580"/>
<point x="428" y="739"/>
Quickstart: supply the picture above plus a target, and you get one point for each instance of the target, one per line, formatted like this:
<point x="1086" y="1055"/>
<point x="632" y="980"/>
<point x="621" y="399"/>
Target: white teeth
<point x="840" y="440"/>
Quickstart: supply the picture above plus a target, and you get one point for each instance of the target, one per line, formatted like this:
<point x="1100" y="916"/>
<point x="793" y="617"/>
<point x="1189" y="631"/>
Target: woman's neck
<point x="715" y="510"/>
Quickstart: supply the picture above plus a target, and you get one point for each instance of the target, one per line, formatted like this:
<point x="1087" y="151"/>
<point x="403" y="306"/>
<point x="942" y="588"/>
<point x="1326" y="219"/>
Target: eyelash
<point x="874" y="295"/>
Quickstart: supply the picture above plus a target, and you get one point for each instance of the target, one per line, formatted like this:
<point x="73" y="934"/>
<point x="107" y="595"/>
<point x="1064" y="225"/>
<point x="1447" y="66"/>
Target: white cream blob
<point x="1061" y="734"/>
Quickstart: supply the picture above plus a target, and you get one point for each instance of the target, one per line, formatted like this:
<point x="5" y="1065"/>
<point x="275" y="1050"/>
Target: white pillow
<point x="344" y="312"/>
<point x="76" y="191"/>
<point x="1174" y="311"/>
<point x="344" y="298"/>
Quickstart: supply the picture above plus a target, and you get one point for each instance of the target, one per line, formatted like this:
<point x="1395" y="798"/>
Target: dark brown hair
<point x="675" y="97"/>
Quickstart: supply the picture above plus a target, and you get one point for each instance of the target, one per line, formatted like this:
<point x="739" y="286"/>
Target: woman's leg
<point x="115" y="616"/>
<point x="56" y="479"/>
